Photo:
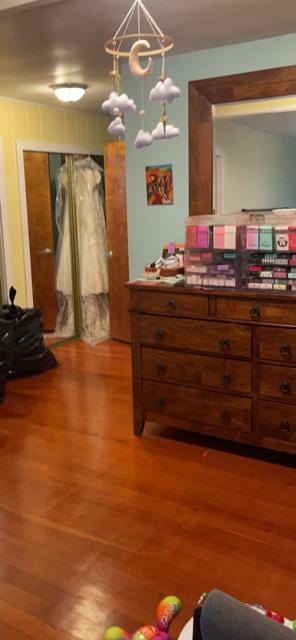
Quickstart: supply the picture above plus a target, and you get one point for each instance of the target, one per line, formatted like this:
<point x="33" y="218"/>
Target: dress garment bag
<point x="92" y="253"/>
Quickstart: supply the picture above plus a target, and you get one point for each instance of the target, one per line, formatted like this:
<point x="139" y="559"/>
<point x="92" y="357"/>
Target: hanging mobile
<point x="146" y="43"/>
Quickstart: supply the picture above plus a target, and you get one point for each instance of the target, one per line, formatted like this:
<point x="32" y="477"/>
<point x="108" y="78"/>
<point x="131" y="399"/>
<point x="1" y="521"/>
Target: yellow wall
<point x="37" y="123"/>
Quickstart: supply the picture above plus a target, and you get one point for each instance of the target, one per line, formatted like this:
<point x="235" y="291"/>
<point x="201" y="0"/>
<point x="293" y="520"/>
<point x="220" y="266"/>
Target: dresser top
<point x="233" y="293"/>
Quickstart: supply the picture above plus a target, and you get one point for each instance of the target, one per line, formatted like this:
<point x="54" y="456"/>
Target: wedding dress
<point x="92" y="245"/>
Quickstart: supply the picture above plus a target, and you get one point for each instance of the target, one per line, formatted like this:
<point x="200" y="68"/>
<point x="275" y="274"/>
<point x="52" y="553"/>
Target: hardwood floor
<point x="97" y="525"/>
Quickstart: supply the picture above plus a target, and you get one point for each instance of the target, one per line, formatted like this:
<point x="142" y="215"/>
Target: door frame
<point x="5" y="245"/>
<point x="219" y="171"/>
<point x="29" y="145"/>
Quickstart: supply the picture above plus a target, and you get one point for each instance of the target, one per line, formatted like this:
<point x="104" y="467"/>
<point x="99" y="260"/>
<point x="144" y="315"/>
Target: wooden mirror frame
<point x="203" y="94"/>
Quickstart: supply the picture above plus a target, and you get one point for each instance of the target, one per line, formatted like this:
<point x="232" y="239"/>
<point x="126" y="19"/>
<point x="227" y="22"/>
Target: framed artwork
<point x="159" y="184"/>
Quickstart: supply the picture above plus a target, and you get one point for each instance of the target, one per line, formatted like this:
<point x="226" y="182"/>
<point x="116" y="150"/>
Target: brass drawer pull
<point x="285" y="350"/>
<point x="161" y="367"/>
<point x="161" y="403"/>
<point x="224" y="343"/>
<point x="159" y="335"/>
<point x="285" y="428"/>
<point x="225" y="415"/>
<point x="255" y="312"/>
<point x="172" y="305"/>
<point x="284" y="387"/>
<point x="226" y="379"/>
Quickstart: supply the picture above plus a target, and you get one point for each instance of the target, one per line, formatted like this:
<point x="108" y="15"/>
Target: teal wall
<point x="151" y="226"/>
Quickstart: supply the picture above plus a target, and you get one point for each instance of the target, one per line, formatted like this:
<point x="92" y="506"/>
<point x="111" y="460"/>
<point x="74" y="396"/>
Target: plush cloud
<point x="116" y="128"/>
<point x="164" y="91"/>
<point x="143" y="139"/>
<point x="118" y="104"/>
<point x="169" y="132"/>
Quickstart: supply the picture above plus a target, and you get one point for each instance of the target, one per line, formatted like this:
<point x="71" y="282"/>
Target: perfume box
<point x="280" y="287"/>
<point x="202" y="237"/>
<point x="252" y="240"/>
<point x="292" y="238"/>
<point x="230" y="236"/>
<point x="230" y="282"/>
<point x="266" y="238"/>
<point x="255" y="267"/>
<point x="218" y="237"/>
<point x="281" y="239"/>
<point x="191" y="236"/>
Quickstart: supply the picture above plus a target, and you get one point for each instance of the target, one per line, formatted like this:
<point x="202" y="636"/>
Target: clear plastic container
<point x="246" y="250"/>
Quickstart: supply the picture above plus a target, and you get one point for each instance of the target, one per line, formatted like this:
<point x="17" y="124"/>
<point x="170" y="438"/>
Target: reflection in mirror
<point x="254" y="164"/>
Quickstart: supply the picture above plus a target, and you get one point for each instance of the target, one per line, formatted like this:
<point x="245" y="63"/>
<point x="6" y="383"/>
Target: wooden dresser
<point x="215" y="362"/>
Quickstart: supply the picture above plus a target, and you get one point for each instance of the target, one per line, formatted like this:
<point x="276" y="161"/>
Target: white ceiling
<point x="43" y="42"/>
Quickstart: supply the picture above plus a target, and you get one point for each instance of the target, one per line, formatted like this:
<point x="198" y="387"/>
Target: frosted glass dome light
<point x="69" y="92"/>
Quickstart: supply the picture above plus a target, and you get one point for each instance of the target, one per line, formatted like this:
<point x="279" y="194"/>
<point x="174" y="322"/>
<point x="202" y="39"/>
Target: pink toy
<point x="166" y="611"/>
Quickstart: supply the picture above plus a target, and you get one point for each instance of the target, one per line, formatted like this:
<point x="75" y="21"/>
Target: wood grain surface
<point x="116" y="218"/>
<point x="97" y="525"/>
<point x="38" y="197"/>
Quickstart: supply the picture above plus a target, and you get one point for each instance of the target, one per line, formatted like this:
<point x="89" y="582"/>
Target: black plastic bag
<point x="3" y="371"/>
<point x="21" y="336"/>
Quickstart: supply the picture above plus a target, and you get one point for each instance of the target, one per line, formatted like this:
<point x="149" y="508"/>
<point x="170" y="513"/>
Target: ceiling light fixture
<point x="139" y="37"/>
<point x="69" y="91"/>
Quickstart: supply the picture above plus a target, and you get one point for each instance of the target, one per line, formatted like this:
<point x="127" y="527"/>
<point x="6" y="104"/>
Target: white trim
<point x="6" y="270"/>
<point x="28" y="145"/>
<point x="219" y="206"/>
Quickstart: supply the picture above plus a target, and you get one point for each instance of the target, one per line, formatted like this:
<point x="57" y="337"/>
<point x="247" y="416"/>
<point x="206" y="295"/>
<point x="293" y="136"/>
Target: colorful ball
<point x="147" y="632"/>
<point x="167" y="609"/>
<point x="115" y="633"/>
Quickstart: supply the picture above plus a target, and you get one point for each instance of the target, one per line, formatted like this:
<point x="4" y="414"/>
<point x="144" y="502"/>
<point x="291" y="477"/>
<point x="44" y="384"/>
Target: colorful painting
<point x="159" y="184"/>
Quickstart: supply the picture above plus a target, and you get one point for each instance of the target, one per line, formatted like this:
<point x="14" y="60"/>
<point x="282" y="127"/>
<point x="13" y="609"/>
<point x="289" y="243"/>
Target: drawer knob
<point x="161" y="403"/>
<point x="172" y="305"/>
<point x="225" y="415"/>
<point x="226" y="379"/>
<point x="161" y="367"/>
<point x="285" y="428"/>
<point x="284" y="387"/>
<point x="159" y="335"/>
<point x="285" y="350"/>
<point x="224" y="343"/>
<point x="255" y="312"/>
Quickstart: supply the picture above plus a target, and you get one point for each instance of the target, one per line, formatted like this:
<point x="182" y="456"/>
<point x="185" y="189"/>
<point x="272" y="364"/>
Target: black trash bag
<point x="3" y="371"/>
<point x="21" y="336"/>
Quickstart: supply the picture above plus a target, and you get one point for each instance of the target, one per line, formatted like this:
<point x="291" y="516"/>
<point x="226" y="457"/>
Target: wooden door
<point x="42" y="250"/>
<point x="116" y="216"/>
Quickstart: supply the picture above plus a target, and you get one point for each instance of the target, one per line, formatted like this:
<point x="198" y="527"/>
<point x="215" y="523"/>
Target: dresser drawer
<point x="277" y="382"/>
<point x="256" y="310"/>
<point x="173" y="303"/>
<point x="277" y="344"/>
<point x="277" y="421"/>
<point x="221" y="373"/>
<point x="228" y="412"/>
<point x="195" y="335"/>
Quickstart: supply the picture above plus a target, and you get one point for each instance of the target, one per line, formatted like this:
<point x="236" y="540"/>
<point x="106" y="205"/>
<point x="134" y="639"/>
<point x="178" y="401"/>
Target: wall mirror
<point x="242" y="142"/>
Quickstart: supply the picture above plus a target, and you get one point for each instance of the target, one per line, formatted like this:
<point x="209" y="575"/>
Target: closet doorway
<point x="38" y="166"/>
<point x="65" y="242"/>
